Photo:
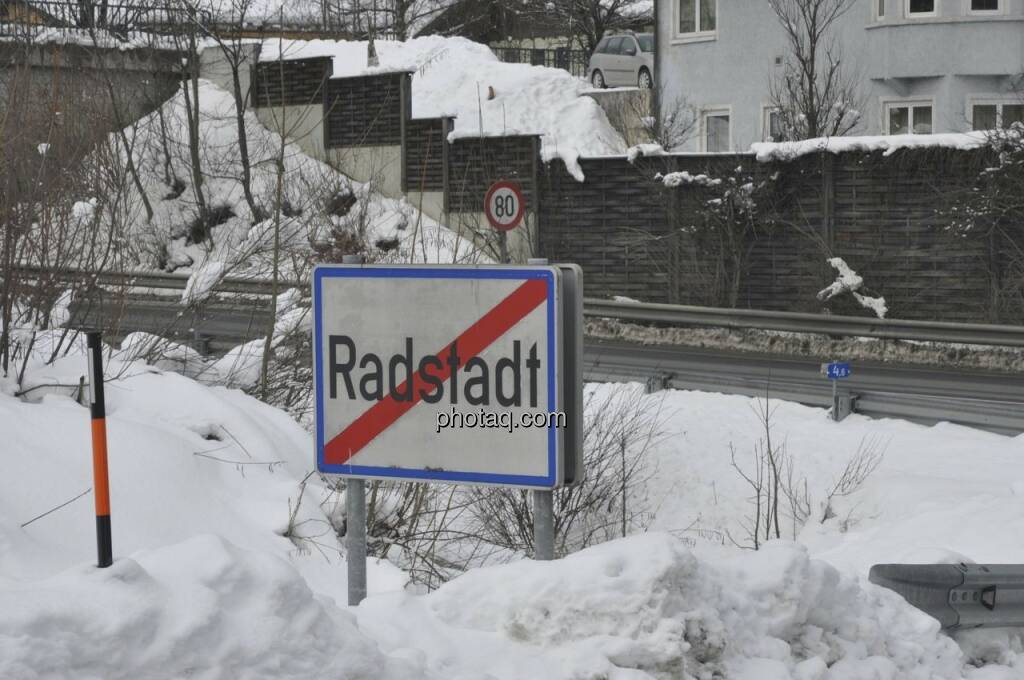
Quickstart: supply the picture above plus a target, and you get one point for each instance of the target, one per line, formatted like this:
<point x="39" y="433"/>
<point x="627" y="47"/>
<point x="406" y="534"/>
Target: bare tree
<point x="587" y="21"/>
<point x="237" y="53"/>
<point x="816" y="92"/>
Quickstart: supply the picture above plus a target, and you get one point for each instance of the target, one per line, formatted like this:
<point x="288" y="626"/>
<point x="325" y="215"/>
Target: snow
<point x="675" y="179"/>
<point x="84" y="210"/>
<point x="215" y="577"/>
<point x="453" y="77"/>
<point x="889" y="144"/>
<point x="850" y="281"/>
<point x="201" y="282"/>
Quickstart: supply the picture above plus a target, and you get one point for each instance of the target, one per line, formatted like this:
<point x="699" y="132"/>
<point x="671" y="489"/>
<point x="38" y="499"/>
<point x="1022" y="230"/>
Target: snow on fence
<point x="885" y="214"/>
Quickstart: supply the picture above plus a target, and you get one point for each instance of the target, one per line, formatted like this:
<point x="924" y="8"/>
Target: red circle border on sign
<point x="518" y="191"/>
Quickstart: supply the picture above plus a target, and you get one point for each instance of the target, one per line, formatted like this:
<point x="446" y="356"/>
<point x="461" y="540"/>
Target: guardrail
<point x="642" y="312"/>
<point x="799" y="322"/>
<point x="959" y="595"/>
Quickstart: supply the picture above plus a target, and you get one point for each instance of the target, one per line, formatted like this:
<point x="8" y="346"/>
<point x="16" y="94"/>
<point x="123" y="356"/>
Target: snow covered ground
<point x="457" y="77"/>
<point x="221" y="571"/>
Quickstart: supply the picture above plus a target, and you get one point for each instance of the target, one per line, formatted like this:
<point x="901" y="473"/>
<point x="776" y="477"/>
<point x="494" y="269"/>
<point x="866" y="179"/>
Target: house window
<point x="879" y="9"/>
<point x="716" y="131"/>
<point x="984" y="6"/>
<point x="698" y="16"/>
<point x="921" y="7"/>
<point x="991" y="116"/>
<point x="909" y="118"/>
<point x="771" y="126"/>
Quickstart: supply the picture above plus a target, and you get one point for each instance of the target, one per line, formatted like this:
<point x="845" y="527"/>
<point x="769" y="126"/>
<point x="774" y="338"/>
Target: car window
<point x="628" y="45"/>
<point x="602" y="46"/>
<point x="614" y="45"/>
<point x="646" y="41"/>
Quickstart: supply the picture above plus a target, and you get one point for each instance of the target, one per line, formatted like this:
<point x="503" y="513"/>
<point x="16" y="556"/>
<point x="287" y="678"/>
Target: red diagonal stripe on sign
<point x="471" y="342"/>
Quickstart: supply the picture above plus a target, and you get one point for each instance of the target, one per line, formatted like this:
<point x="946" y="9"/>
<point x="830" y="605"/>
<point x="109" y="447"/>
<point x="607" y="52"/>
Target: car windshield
<point x="646" y="41"/>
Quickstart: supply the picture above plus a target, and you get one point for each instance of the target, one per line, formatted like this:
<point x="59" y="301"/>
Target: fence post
<point x="828" y="200"/>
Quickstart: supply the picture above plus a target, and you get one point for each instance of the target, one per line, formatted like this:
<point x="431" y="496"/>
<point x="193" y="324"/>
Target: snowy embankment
<point x="320" y="206"/>
<point x="461" y="78"/>
<point x="221" y="571"/>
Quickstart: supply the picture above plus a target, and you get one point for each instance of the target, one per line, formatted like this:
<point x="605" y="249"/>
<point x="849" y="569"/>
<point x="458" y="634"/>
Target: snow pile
<point x="201" y="282"/>
<point x="227" y="554"/>
<point x="645" y="607"/>
<point x="850" y="281"/>
<point x="201" y="608"/>
<point x="676" y="179"/>
<point x="457" y="77"/>
<point x="889" y="144"/>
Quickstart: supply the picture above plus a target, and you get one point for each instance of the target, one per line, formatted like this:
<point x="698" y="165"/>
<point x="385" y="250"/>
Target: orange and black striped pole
<point x="101" y="483"/>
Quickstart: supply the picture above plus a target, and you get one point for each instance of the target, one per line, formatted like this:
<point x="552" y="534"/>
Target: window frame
<point x="766" y="124"/>
<point x="911" y="103"/>
<point x="920" y="15"/>
<point x="695" y="36"/>
<point x="709" y="112"/>
<point x="970" y="11"/>
<point x="875" y="6"/>
<point x="999" y="101"/>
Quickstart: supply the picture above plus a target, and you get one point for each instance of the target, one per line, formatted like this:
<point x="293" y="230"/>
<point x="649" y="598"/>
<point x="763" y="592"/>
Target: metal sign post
<point x="836" y="371"/>
<point x="355" y="519"/>
<point x="456" y="374"/>
<point x="543" y="501"/>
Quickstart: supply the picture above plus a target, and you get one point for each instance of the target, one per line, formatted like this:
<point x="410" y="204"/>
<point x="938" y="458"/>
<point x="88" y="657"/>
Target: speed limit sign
<point x="504" y="205"/>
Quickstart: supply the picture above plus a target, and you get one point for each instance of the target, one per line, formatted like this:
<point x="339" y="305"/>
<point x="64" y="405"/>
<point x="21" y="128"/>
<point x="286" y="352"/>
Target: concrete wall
<point x="302" y="124"/>
<point x="78" y="82"/>
<point x="381" y="165"/>
<point x="947" y="60"/>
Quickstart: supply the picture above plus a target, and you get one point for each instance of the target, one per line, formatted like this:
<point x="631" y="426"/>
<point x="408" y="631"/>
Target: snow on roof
<point x="890" y="144"/>
<point x="455" y="77"/>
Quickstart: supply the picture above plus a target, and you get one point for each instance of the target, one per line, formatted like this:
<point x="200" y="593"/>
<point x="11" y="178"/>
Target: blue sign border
<point x="427" y="272"/>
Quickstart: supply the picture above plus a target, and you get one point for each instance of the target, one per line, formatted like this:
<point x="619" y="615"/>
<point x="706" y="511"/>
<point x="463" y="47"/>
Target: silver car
<point x="625" y="60"/>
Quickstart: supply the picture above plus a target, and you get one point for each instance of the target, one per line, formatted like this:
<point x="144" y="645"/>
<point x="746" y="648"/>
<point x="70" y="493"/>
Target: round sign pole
<point x="505" y="208"/>
<point x="543" y="503"/>
<point x="355" y="519"/>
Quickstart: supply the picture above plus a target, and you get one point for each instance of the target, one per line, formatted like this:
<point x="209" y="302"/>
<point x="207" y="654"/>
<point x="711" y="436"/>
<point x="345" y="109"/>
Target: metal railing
<point x="28" y="19"/>
<point x="798" y="322"/>
<point x="573" y="61"/>
<point x="643" y="312"/>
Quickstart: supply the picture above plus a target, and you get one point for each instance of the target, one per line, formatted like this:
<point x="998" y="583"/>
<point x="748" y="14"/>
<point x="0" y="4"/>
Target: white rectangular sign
<point x="398" y="350"/>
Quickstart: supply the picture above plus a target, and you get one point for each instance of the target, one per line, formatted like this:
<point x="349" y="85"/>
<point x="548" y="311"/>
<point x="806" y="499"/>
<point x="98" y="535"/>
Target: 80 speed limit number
<point x="504" y="205"/>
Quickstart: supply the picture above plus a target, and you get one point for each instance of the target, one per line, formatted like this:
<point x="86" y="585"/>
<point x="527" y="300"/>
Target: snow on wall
<point x="457" y="77"/>
<point x="889" y="144"/>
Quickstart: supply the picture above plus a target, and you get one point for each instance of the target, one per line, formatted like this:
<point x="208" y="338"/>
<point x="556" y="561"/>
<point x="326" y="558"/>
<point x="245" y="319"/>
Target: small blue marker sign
<point x="837" y="370"/>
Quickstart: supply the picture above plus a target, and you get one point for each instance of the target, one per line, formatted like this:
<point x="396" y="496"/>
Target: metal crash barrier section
<point x="959" y="595"/>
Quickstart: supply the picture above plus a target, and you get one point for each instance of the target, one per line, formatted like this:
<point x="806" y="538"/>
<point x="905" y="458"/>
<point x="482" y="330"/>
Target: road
<point x="986" y="399"/>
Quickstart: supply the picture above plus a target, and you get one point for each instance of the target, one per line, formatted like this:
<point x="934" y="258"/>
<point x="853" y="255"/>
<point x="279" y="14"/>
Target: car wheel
<point x="597" y="80"/>
<point x="644" y="80"/>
